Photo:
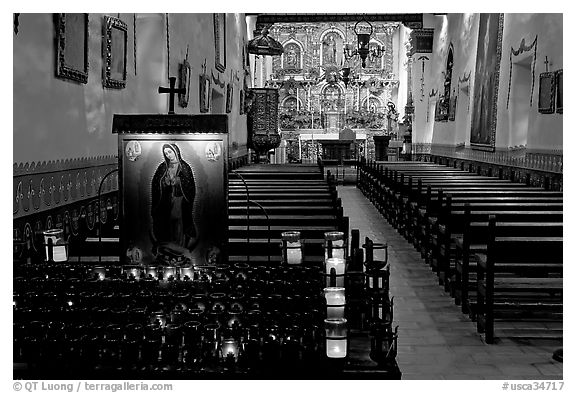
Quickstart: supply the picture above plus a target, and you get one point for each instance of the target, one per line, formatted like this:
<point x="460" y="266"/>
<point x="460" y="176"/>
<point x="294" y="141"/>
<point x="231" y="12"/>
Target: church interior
<point x="288" y="196"/>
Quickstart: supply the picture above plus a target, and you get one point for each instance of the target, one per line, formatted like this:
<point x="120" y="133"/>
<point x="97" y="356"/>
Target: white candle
<point x="169" y="272"/>
<point x="187" y="272"/>
<point x="151" y="271"/>
<point x="337" y="263"/>
<point x="335" y="296"/>
<point x="335" y="302"/>
<point x="229" y="346"/>
<point x="336" y="348"/>
<point x="100" y="271"/>
<point x="339" y="266"/>
<point x="293" y="255"/>
<point x="337" y="253"/>
<point x="58" y="252"/>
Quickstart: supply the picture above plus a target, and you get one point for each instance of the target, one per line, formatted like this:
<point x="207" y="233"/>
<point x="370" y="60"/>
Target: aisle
<point x="437" y="341"/>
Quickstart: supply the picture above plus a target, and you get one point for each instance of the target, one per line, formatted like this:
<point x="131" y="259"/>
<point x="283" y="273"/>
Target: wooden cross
<point x="171" y="90"/>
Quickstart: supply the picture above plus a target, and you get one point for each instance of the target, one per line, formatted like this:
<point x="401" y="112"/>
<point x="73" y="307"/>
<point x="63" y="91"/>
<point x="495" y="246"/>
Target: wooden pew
<point x="519" y="278"/>
<point x="474" y="240"/>
<point x="452" y="224"/>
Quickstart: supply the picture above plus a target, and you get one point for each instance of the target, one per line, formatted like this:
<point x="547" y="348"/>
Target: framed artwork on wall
<point x="452" y="110"/>
<point x="159" y="226"/>
<point x="114" y="49"/>
<point x="72" y="47"/>
<point x="220" y="41"/>
<point x="547" y="92"/>
<point x="229" y="97"/>
<point x="486" y="82"/>
<point x="559" y="92"/>
<point x="241" y="109"/>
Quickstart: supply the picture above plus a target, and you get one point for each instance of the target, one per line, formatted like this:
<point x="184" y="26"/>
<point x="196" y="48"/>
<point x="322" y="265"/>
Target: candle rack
<point x="142" y="322"/>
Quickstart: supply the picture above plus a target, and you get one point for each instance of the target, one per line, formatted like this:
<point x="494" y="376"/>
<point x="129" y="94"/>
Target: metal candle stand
<point x="212" y="318"/>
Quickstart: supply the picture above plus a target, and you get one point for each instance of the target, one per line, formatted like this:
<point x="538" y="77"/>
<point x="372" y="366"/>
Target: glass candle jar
<point x="173" y="334"/>
<point x="131" y="272"/>
<point x="99" y="272"/>
<point x="192" y="333"/>
<point x="152" y="272"/>
<point x="56" y="247"/>
<point x="218" y="301"/>
<point x="229" y="350"/>
<point x="336" y="338"/>
<point x="378" y="280"/>
<point x="169" y="273"/>
<point x="335" y="245"/>
<point x="187" y="273"/>
<point x="383" y="342"/>
<point x="335" y="302"/>
<point x="334" y="272"/>
<point x="371" y="262"/>
<point x="292" y="253"/>
<point x="381" y="309"/>
<point x="241" y="271"/>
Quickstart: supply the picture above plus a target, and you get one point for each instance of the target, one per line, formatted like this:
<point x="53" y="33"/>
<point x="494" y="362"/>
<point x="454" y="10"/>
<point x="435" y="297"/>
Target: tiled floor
<point x="437" y="341"/>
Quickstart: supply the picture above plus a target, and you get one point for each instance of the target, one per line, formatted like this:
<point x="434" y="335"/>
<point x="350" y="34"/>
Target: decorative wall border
<point x="542" y="160"/>
<point x="40" y="187"/>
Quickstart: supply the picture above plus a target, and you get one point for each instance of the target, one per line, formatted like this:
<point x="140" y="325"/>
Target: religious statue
<point x="174" y="232"/>
<point x="292" y="56"/>
<point x="329" y="50"/>
<point x="391" y="115"/>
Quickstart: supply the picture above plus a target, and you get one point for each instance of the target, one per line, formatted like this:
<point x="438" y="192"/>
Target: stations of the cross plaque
<point x="171" y="91"/>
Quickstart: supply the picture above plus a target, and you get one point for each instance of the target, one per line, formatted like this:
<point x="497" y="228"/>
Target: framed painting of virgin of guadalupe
<point x="174" y="191"/>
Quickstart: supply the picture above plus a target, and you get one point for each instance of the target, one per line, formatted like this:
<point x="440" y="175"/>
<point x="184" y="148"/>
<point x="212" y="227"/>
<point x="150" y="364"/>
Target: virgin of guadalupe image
<point x="174" y="234"/>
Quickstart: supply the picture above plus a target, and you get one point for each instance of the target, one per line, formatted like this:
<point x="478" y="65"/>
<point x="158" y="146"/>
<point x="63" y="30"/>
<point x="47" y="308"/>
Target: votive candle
<point x="336" y="338"/>
<point x="335" y="302"/>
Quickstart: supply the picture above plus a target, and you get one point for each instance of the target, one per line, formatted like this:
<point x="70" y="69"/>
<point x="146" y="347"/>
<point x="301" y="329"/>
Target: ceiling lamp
<point x="264" y="45"/>
<point x="363" y="30"/>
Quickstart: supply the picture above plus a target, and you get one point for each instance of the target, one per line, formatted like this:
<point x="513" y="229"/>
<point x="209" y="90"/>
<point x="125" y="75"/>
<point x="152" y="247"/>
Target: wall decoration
<point x="241" y="98"/>
<point x="16" y="22"/>
<point x="331" y="51"/>
<point x="559" y="92"/>
<point x="220" y="41"/>
<point x="521" y="49"/>
<point x="465" y="80"/>
<point x="423" y="58"/>
<point x="205" y="89"/>
<point x="40" y="187"/>
<point x="72" y="47"/>
<point x="217" y="81"/>
<point x="441" y="110"/>
<point x="292" y="56"/>
<point x="423" y="40"/>
<point x="547" y="92"/>
<point x="486" y="81"/>
<point x="452" y="110"/>
<point x="444" y="103"/>
<point x="229" y="97"/>
<point x="185" y="76"/>
<point x="114" y="48"/>
<point x="134" y="32"/>
<point x="176" y="189"/>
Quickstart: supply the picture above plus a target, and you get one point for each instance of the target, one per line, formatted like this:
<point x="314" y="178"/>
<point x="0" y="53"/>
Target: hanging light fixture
<point x="264" y="45"/>
<point x="363" y="30"/>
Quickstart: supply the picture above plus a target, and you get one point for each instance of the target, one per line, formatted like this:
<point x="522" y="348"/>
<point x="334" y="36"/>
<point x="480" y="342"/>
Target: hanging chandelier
<point x="363" y="30"/>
